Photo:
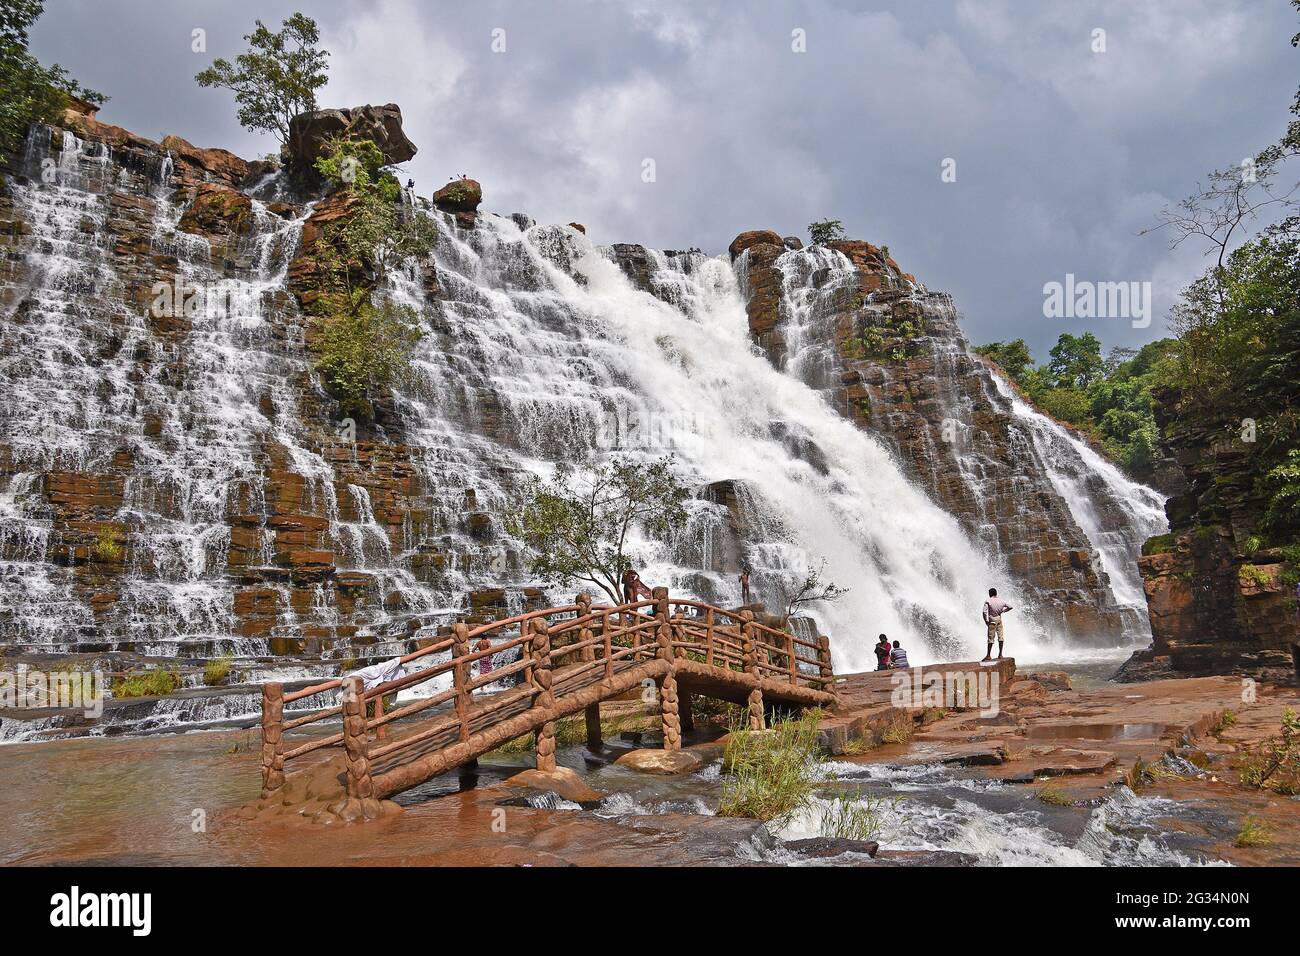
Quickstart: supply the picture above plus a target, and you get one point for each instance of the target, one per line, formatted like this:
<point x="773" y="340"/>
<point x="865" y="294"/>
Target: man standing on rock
<point x="994" y="608"/>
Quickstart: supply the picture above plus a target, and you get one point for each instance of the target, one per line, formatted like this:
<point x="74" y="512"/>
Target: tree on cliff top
<point x="578" y="525"/>
<point x="825" y="230"/>
<point x="276" y="78"/>
<point x="32" y="93"/>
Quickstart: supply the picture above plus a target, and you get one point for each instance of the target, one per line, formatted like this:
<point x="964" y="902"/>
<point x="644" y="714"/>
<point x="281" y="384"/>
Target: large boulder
<point x="220" y="163"/>
<point x="382" y="125"/>
<point x="459" y="195"/>
<point x="754" y="237"/>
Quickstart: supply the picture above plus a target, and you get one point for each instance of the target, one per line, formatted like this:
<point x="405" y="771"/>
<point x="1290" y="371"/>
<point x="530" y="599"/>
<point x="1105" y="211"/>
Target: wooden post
<point x="794" y="662"/>
<point x="381" y="732"/>
<point x="824" y="663"/>
<point x="708" y="636"/>
<point x="272" y="738"/>
<point x="608" y="635"/>
<point x="355" y="743"/>
<point x="460" y="675"/>
<point x="588" y="655"/>
<point x="668" y="707"/>
<point x="543" y="696"/>
<point x="751" y="667"/>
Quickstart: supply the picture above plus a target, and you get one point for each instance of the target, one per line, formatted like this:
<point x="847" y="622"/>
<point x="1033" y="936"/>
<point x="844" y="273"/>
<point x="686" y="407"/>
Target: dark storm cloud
<point x="1062" y="155"/>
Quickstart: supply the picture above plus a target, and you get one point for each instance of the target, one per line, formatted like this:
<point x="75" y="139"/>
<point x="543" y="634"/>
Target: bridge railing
<point x="577" y="639"/>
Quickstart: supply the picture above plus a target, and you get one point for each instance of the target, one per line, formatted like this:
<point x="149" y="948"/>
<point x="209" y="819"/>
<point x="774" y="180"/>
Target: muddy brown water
<point x="1099" y="731"/>
<point x="169" y="800"/>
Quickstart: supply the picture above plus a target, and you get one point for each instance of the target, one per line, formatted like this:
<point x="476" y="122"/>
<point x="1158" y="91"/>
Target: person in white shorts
<point x="994" y="608"/>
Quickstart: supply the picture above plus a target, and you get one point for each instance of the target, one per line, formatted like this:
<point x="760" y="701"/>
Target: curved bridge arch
<point x="572" y="657"/>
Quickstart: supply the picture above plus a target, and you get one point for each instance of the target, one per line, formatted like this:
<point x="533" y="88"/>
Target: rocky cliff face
<point x="174" y="481"/>
<point x="1218" y="603"/>
<point x="890" y="355"/>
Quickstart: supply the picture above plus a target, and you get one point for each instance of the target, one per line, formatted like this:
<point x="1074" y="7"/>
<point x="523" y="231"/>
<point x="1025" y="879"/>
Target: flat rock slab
<point x="664" y="762"/>
<point x="821" y="848"/>
<point x="1035" y="762"/>
<point x="561" y="780"/>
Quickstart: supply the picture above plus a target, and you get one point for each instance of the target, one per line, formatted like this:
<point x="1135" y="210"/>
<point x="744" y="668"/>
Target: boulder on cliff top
<point x="754" y="237"/>
<point x="459" y="195"/>
<point x="382" y="125"/>
<point x="219" y="162"/>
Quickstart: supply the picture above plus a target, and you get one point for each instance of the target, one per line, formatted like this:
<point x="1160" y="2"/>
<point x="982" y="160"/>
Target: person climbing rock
<point x="994" y="608"/>
<point x="744" y="584"/>
<point x="898" y="657"/>
<point x="883" y="653"/>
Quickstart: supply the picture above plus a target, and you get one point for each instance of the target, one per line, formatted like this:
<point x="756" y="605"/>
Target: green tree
<point x="825" y="231"/>
<point x="31" y="93"/>
<point x="1075" y="360"/>
<point x="358" y="251"/>
<point x="367" y="350"/>
<point x="577" y="524"/>
<point x="276" y="78"/>
<point x="1012" y="357"/>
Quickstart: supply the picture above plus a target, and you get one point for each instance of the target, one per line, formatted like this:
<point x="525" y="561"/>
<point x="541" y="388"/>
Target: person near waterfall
<point x="634" y="589"/>
<point x="744" y="585"/>
<point x="884" y="653"/>
<point x="994" y="608"/>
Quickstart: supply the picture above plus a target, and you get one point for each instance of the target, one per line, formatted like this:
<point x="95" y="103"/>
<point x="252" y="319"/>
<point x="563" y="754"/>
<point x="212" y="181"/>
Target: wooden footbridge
<point x="571" y="658"/>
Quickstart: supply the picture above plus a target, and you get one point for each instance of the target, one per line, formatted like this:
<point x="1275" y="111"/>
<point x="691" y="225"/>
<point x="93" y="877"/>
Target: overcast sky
<point x="1062" y="154"/>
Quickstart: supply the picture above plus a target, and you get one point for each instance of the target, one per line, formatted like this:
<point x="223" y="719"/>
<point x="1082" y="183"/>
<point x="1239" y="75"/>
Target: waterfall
<point x="1115" y="512"/>
<point x="540" y="348"/>
<point x="543" y="339"/>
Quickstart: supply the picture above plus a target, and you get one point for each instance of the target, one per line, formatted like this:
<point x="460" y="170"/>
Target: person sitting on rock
<point x="883" y="654"/>
<point x="898" y="657"/>
<point x="994" y="608"/>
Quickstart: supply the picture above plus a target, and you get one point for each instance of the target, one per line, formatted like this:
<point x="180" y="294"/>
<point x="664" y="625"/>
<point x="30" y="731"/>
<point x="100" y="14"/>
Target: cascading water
<point x="1019" y="483"/>
<point x="540" y="349"/>
<point x="1115" y="512"/>
<point x="562" y="351"/>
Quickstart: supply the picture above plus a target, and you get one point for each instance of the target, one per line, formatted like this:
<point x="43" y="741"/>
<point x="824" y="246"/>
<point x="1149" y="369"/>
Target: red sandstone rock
<point x="459" y="196"/>
<point x="754" y="237"/>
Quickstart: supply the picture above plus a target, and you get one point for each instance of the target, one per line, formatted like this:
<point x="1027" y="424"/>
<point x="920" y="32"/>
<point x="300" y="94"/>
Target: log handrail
<point x="648" y="634"/>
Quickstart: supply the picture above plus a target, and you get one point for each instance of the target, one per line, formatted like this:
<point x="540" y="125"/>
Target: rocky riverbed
<point x="1049" y="779"/>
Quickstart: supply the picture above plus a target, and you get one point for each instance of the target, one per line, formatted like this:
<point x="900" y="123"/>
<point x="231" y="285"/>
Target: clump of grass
<point x="853" y="817"/>
<point x="772" y="774"/>
<point x="1226" y="720"/>
<point x="154" y="683"/>
<point x="1275" y="763"/>
<point x="217" y="670"/>
<point x="859" y="745"/>
<point x="931" y="714"/>
<point x="898" y="732"/>
<point x="1253" y="832"/>
<point x="1055" y="796"/>
<point x="1143" y="774"/>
